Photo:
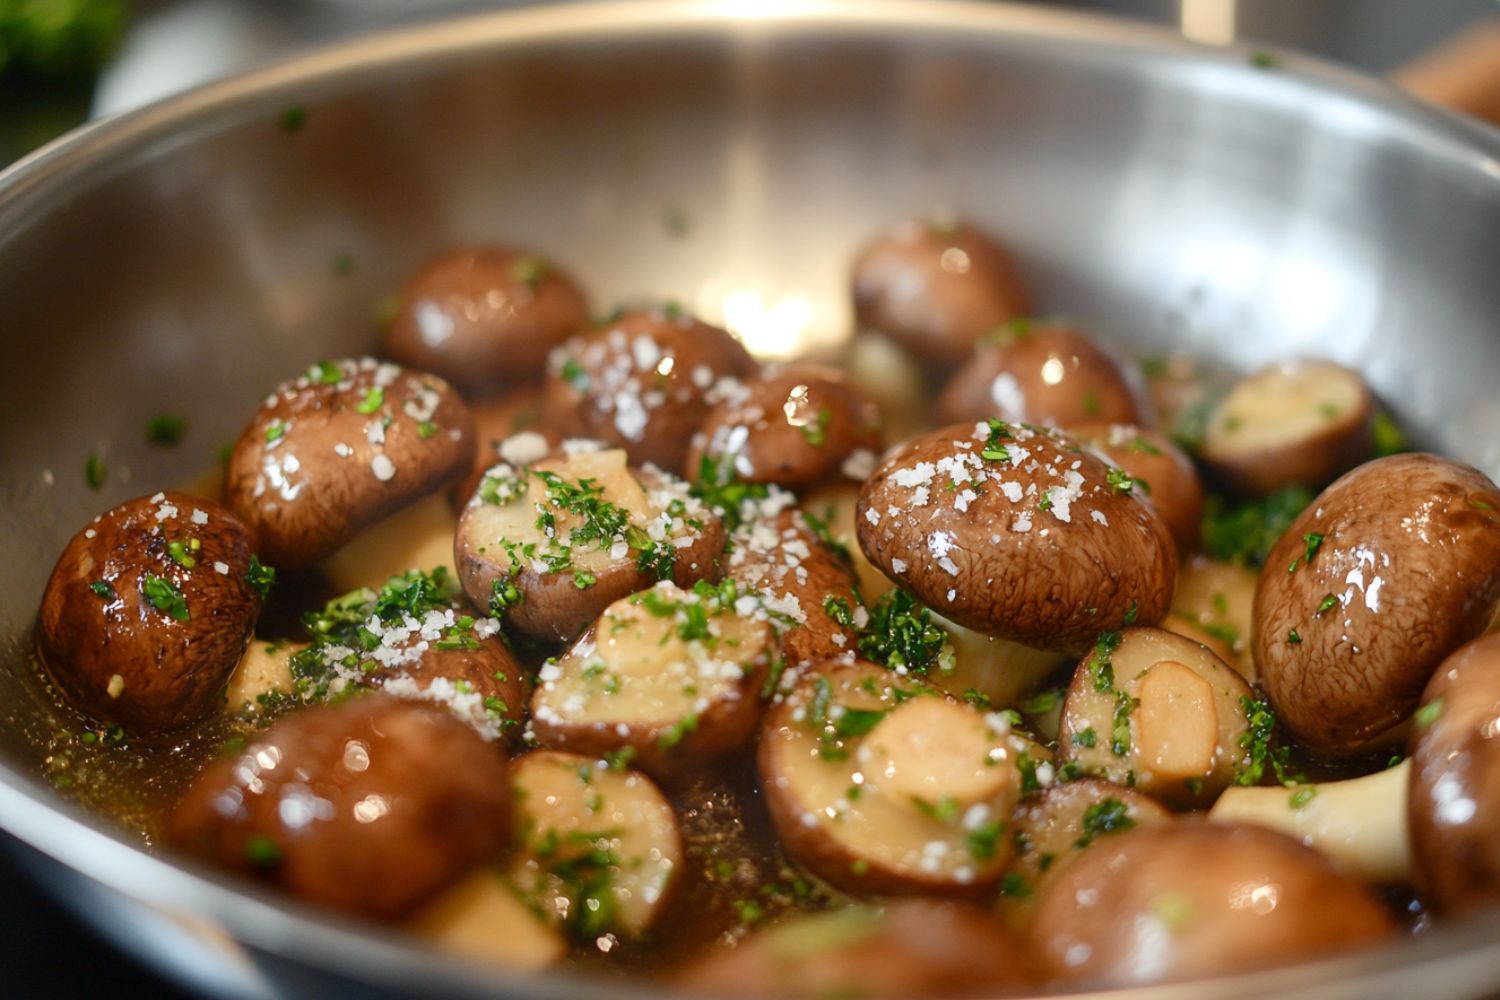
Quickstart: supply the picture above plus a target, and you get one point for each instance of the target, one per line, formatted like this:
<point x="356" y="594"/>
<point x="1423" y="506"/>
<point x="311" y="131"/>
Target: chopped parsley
<point x="1244" y="533"/>
<point x="983" y="841"/>
<point x="325" y="373"/>
<point x="275" y="431"/>
<point x="1260" y="740"/>
<point x="856" y="722"/>
<point x="1327" y="604"/>
<point x="994" y="450"/>
<point x="1311" y="541"/>
<point x="293" y="118"/>
<point x="1303" y="796"/>
<point x="374" y="399"/>
<point x="1109" y="816"/>
<point x="1293" y="637"/>
<point x="1428" y="713"/>
<point x="165" y="597"/>
<point x="166" y="429"/>
<point x="574" y="374"/>
<point x="262" y="852"/>
<point x="95" y="472"/>
<point x="260" y="576"/>
<point x="902" y="635"/>
<point x="1121" y="481"/>
<point x="1119" y="737"/>
<point x="673" y="736"/>
<point x="1088" y="738"/>
<point x="181" y="552"/>
<point x="815" y="432"/>
<point x="1389" y="438"/>
<point x="529" y="271"/>
<point x="103" y="589"/>
<point x="720" y="489"/>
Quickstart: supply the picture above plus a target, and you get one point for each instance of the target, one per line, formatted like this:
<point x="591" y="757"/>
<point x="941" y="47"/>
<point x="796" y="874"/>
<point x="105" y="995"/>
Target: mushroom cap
<point x="1159" y="467"/>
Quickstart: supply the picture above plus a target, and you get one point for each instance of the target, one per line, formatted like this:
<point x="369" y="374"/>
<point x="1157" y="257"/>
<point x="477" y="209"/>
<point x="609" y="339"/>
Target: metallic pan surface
<point x="730" y="155"/>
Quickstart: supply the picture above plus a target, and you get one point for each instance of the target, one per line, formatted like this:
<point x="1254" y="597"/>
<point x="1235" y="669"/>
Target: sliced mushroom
<point x="416" y="537"/>
<point x="1042" y="373"/>
<point x="549" y="547"/>
<point x="910" y="948"/>
<point x="1219" y="599"/>
<point x="485" y="317"/>
<point x="1392" y="568"/>
<point x="673" y="675"/>
<point x="1188" y="899"/>
<point x="262" y="675"/>
<point x="1297" y="422"/>
<point x="342" y="447"/>
<point x="1017" y="533"/>
<point x="148" y="610"/>
<point x="512" y="429"/>
<point x="369" y="807"/>
<point x="1159" y="713"/>
<point x="937" y="286"/>
<point x="644" y="381"/>
<point x="879" y="785"/>
<point x="481" y="918"/>
<point x="599" y="849"/>
<point x="1161" y="469"/>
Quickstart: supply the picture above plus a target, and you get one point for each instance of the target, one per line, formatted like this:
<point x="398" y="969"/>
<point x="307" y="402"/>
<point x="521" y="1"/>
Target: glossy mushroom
<point x="1160" y="469"/>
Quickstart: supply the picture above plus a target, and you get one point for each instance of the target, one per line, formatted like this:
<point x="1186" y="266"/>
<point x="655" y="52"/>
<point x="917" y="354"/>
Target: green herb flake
<point x="676" y="733"/>
<point x="180" y="554"/>
<point x="1121" y="481"/>
<point x="427" y="430"/>
<point x="262" y="852"/>
<point x="983" y="841"/>
<point x="374" y="400"/>
<point x="1389" y="438"/>
<point x="103" y="589"/>
<point x="325" y="373"/>
<point x="529" y="271"/>
<point x="95" y="472"/>
<point x="260" y="576"/>
<point x="815" y="432"/>
<point x="1014" y="885"/>
<point x="293" y="118"/>
<point x="1245" y="533"/>
<point x="1428" y="713"/>
<point x="994" y="450"/>
<point x="275" y="431"/>
<point x="1302" y="796"/>
<point x="166" y="429"/>
<point x="1327" y="604"/>
<point x="1293" y="637"/>
<point x="165" y="597"/>
<point x="1088" y="738"/>
<point x="574" y="375"/>
<point x="1108" y="816"/>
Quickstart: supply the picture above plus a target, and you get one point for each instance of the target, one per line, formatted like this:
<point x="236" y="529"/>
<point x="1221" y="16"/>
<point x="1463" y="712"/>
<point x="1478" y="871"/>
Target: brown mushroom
<point x="1293" y="423"/>
<point x="884" y="372"/>
<point x="835" y="506"/>
<point x="369" y="807"/>
<point x="511" y="429"/>
<point x="484" y="317"/>
<point x="1160" y="469"/>
<point x="1218" y="599"/>
<point x="644" y="381"/>
<point x="1018" y="533"/>
<point x="909" y="948"/>
<point x="549" y="547"/>
<point x="1042" y="373"/>
<point x="148" y="610"/>
<point x="1389" y="570"/>
<point x="937" y="286"/>
<point x="1454" y="800"/>
<point x="418" y="536"/>
<point x="1159" y="713"/>
<point x="1189" y="899"/>
<point x="342" y="447"/>
<point x="796" y="427"/>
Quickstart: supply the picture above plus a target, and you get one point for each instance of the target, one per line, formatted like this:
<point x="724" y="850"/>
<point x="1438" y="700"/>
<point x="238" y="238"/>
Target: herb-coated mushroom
<point x="369" y="807"/>
<point x="937" y="286"/>
<point x="1455" y="782"/>
<point x="148" y="610"/>
<point x="1041" y="373"/>
<point x="1298" y="422"/>
<point x="479" y="917"/>
<point x="1160" y="469"/>
<point x="484" y="317"/>
<point x="1017" y="532"/>
<point x="1218" y="598"/>
<point x="550" y="546"/>
<point x="1189" y="899"/>
<point x="341" y="447"/>
<point x="644" y="381"/>
<point x="910" y="948"/>
<point x="262" y="676"/>
<point x="1160" y="713"/>
<point x="1390" y="569"/>
<point x="674" y="675"/>
<point x="512" y="429"/>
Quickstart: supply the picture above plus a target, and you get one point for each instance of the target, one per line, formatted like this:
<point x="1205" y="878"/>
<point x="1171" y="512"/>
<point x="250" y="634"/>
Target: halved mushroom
<point x="1218" y="598"/>
<point x="549" y="547"/>
<point x="1297" y="422"/>
<point x="909" y="948"/>
<point x="416" y="537"/>
<point x="1042" y="373"/>
<point x="513" y="429"/>
<point x="937" y="286"/>
<point x="599" y="849"/>
<point x="484" y="317"/>
<point x="1160" y="713"/>
<point x="370" y="807"/>
<point x="262" y="675"/>
<point x="1454" y="803"/>
<point x="148" y="610"/>
<point x="344" y="446"/>
<point x="481" y="918"/>
<point x="1359" y="823"/>
<point x="1159" y="468"/>
<point x="835" y="507"/>
<point x="879" y="785"/>
<point x="673" y="675"/>
<point x="644" y="381"/>
<point x="1188" y="899"/>
<point x="795" y="427"/>
<point x="1392" y="568"/>
<point x="1018" y="533"/>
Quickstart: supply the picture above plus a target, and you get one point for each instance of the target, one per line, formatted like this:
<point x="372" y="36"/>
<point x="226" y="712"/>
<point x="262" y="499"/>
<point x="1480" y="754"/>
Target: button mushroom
<point x="369" y="807"/>
<point x="1392" y="568"/>
<point x="644" y="381"/>
<point x="484" y="317"/>
<point x="148" y="610"/>
<point x="1218" y="598"/>
<point x="510" y="429"/>
<point x="419" y="536"/>
<point x="341" y="447"/>
<point x="1017" y="532"/>
<point x="1159" y="468"/>
<point x="550" y="546"/>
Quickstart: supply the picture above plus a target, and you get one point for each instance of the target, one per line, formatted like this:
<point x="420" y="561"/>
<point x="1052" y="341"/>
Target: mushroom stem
<point x="1179" y="727"/>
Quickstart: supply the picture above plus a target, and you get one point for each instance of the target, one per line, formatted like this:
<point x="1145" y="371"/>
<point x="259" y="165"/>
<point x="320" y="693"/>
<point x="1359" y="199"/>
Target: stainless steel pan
<point x="730" y="155"/>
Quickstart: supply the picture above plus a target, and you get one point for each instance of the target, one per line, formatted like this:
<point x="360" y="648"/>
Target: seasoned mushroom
<point x="1018" y="533"/>
<point x="1454" y="799"/>
<point x="1042" y="373"/>
<point x="1219" y="599"/>
<point x="937" y="286"/>
<point x="796" y="427"/>
<point x="369" y="807"/>
<point x="481" y="918"/>
<point x="1189" y="899"/>
<point x="599" y="850"/>
<point x="834" y="507"/>
<point x="1297" y="422"/>
<point x="484" y="317"/>
<point x="1160" y="713"/>
<point x="262" y="675"/>
<point x="674" y="675"/>
<point x="149" y="608"/>
<point x="342" y="447"/>
<point x="645" y="382"/>
<point x="419" y="536"/>
<point x="910" y="948"/>
<point x="1159" y="468"/>
<point x="512" y="429"/>
<point x="1392" y="568"/>
<point x="551" y="546"/>
<point x="878" y="785"/>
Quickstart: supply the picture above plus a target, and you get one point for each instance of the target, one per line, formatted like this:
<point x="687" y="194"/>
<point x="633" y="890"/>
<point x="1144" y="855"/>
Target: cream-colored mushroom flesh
<point x="1002" y="671"/>
<point x="482" y="918"/>
<point x="1220" y="598"/>
<point x="418" y="537"/>
<point x="1283" y="404"/>
<point x="265" y="669"/>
